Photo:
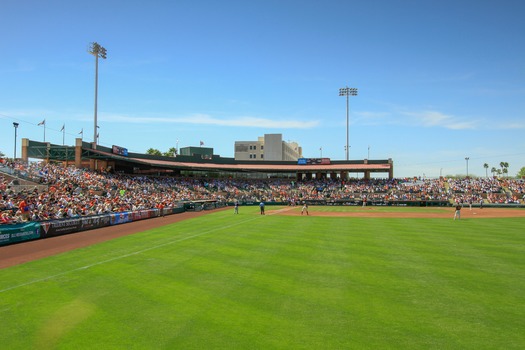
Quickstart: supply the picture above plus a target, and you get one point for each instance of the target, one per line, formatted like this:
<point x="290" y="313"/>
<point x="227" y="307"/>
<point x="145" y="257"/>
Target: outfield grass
<point x="247" y="281"/>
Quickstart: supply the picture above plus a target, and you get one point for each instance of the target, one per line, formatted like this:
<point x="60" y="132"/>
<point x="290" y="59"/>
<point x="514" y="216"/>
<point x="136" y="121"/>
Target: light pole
<point x="15" y="124"/>
<point x="346" y="91"/>
<point x="467" y="158"/>
<point x="98" y="51"/>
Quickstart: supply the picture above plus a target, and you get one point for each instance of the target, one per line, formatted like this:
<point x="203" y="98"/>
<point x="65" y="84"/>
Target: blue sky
<point x="438" y="80"/>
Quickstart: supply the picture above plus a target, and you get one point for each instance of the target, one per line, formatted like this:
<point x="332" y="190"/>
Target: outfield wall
<point x="400" y="203"/>
<point x="28" y="231"/>
<point x="358" y="202"/>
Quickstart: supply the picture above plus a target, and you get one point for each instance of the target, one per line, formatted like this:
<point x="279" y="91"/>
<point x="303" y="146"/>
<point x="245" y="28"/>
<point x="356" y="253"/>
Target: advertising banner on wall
<point x="313" y="161"/>
<point x="143" y="214"/>
<point x="120" y="218"/>
<point x="92" y="222"/>
<point x="54" y="228"/>
<point x="19" y="232"/>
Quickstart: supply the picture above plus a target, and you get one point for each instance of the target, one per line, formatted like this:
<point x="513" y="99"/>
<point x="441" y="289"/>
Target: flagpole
<point x="43" y="122"/>
<point x="63" y="134"/>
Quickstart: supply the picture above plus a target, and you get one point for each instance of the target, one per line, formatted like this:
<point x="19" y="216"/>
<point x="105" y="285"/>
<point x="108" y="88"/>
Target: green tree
<point x="504" y="167"/>
<point x="153" y="152"/>
<point x="172" y="152"/>
<point x="493" y="171"/>
<point x="521" y="173"/>
<point x="486" y="166"/>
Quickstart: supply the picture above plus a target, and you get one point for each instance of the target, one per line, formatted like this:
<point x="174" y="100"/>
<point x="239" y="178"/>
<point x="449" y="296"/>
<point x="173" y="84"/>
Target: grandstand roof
<point x="251" y="167"/>
<point x="216" y="163"/>
<point x="267" y="167"/>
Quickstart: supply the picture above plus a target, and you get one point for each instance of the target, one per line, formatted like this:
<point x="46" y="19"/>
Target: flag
<point x="43" y="122"/>
<point x="202" y="143"/>
<point x="81" y="132"/>
<point x="63" y="127"/>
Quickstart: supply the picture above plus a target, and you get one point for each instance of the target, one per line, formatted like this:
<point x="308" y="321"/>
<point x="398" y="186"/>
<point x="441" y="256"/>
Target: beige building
<point x="269" y="147"/>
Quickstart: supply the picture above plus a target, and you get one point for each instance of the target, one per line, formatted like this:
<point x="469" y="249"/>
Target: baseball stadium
<point x="350" y="175"/>
<point x="101" y="248"/>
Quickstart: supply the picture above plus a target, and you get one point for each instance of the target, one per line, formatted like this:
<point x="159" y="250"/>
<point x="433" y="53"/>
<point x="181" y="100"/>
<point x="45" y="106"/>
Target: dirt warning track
<point x="28" y="251"/>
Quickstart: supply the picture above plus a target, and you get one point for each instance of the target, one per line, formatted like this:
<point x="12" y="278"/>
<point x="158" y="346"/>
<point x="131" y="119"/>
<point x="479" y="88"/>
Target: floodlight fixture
<point x="346" y="91"/>
<point x="96" y="50"/>
<point x="15" y="125"/>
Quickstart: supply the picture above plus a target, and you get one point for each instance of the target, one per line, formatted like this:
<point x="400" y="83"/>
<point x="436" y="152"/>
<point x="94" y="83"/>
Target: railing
<point x="7" y="170"/>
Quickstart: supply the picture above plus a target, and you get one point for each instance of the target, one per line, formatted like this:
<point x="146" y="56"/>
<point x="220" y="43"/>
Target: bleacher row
<point x="40" y="192"/>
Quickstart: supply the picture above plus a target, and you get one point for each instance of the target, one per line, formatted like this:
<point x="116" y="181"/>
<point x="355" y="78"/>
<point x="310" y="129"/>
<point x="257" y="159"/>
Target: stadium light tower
<point x="98" y="51"/>
<point x="467" y="158"/>
<point x="346" y="91"/>
<point x="15" y="124"/>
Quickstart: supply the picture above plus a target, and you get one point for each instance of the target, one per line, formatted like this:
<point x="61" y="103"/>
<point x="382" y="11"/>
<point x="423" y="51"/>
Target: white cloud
<point x="425" y="119"/>
<point x="203" y="119"/>
<point x="509" y="125"/>
<point x="372" y="118"/>
<point x="438" y="119"/>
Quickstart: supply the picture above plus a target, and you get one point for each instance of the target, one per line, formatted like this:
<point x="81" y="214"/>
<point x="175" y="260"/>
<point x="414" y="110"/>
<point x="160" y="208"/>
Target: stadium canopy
<point x="84" y="155"/>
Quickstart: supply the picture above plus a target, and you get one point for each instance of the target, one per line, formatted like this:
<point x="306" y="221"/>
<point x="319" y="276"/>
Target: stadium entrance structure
<point x="118" y="159"/>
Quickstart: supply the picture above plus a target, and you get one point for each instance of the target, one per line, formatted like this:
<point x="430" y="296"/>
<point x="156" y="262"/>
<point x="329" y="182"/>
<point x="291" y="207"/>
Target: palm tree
<point x="172" y="152"/>
<point x="486" y="166"/>
<point x="493" y="171"/>
<point x="504" y="167"/>
<point x="154" y="152"/>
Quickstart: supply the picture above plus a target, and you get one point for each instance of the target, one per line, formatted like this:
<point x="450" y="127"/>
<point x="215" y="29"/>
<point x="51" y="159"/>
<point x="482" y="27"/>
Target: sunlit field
<point x="248" y="281"/>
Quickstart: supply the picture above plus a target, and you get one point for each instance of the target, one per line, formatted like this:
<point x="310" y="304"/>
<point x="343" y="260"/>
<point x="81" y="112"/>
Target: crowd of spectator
<point x="72" y="192"/>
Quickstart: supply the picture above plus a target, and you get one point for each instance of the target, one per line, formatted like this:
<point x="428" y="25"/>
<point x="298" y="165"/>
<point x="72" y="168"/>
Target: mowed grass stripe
<point x="280" y="282"/>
